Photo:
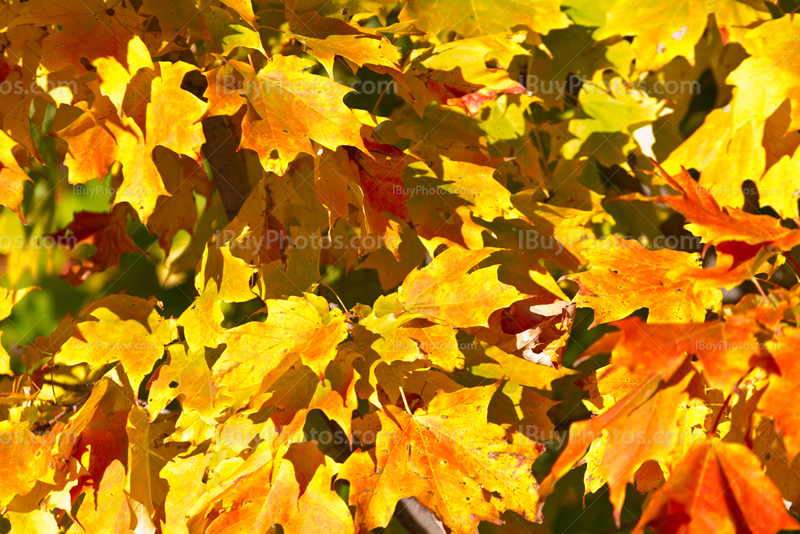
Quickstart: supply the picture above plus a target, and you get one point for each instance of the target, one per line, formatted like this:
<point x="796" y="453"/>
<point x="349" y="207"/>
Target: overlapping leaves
<point x="473" y="183"/>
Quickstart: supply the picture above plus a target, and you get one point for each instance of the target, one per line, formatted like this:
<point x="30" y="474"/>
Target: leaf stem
<point x="719" y="415"/>
<point x="405" y="402"/>
<point x="785" y="255"/>
<point x="735" y="389"/>
<point x="757" y="282"/>
<point x="344" y="308"/>
<point x="374" y="109"/>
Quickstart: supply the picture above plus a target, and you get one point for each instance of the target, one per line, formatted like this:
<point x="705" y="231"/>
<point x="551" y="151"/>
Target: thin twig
<point x="72" y="408"/>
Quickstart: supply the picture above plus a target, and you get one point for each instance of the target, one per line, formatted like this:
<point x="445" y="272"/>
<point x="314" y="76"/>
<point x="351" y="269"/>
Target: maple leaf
<point x="184" y="375"/>
<point x="201" y="322"/>
<point x="661" y="32"/>
<point x="8" y="299"/>
<point x="516" y="406"/>
<point x="159" y="113"/>
<point x="639" y="427"/>
<point x="611" y="117"/>
<point x="624" y="276"/>
<point x="378" y="174"/>
<point x="771" y="451"/>
<point x="447" y="443"/>
<point x="293" y="490"/>
<point x="139" y="483"/>
<point x="182" y="496"/>
<point x="408" y="337"/>
<point x="471" y="190"/>
<point x="726" y="350"/>
<point x="328" y="38"/>
<point x="100" y="399"/>
<point x="317" y="112"/>
<point x="106" y="508"/>
<point x="222" y="94"/>
<point x="18" y="69"/>
<point x="536" y="333"/>
<point x="573" y="50"/>
<point x="255" y="241"/>
<point x="609" y="385"/>
<point x="167" y="114"/>
<point x="93" y="37"/>
<point x="719" y="486"/>
<point x="391" y="270"/>
<point x="508" y="132"/>
<point x="119" y="327"/>
<point x="228" y="275"/>
<point x="783" y="387"/>
<point x="245" y="10"/>
<point x="490" y="363"/>
<point x="438" y="222"/>
<point x="299" y="273"/>
<point x="743" y="241"/>
<point x="723" y="156"/>
<point x="716" y="225"/>
<point x="440" y="129"/>
<point x="175" y="18"/>
<point x="336" y="9"/>
<point x="486" y="16"/>
<point x="444" y="291"/>
<point x="12" y="176"/>
<point x="469" y="184"/>
<point x="772" y="186"/>
<point x="419" y="340"/>
<point x="770" y="59"/>
<point x="727" y="154"/>
<point x="296" y="329"/>
<point x="182" y="177"/>
<point x="28" y="454"/>
<point x="36" y="519"/>
<point x="227" y="35"/>
<point x="107" y="232"/>
<point x="299" y="391"/>
<point x="456" y="74"/>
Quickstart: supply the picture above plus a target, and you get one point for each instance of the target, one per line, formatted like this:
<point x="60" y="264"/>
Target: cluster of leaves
<point x="486" y="184"/>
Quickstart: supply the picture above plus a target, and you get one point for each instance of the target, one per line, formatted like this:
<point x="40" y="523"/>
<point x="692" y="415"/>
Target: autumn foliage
<point x="275" y="267"/>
